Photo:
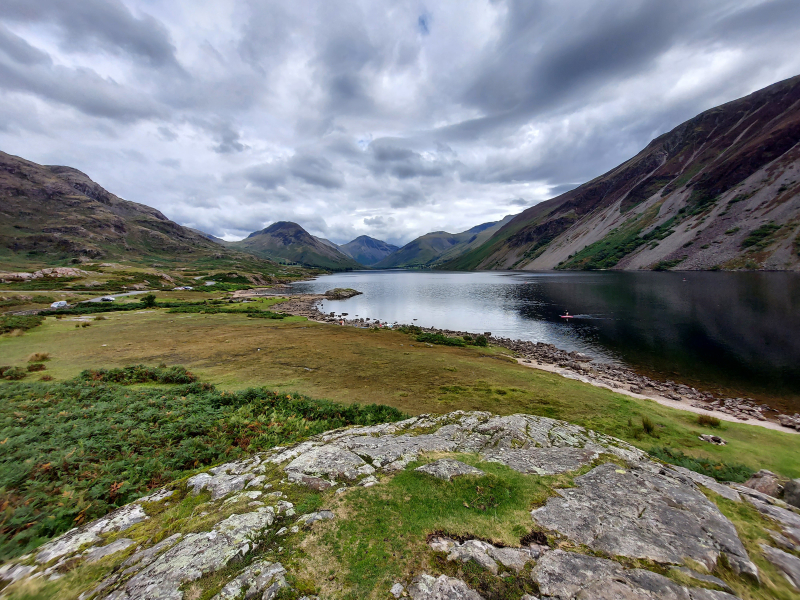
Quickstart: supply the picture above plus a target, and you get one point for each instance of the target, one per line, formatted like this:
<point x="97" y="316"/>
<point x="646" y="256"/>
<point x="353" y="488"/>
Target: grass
<point x="708" y="421"/>
<point x="347" y="365"/>
<point x="718" y="470"/>
<point x="761" y="237"/>
<point x="72" y="451"/>
<point x="9" y="323"/>
<point x="380" y="536"/>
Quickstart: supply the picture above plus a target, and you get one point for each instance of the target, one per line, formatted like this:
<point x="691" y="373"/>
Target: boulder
<point x="791" y="492"/>
<point x="765" y="482"/>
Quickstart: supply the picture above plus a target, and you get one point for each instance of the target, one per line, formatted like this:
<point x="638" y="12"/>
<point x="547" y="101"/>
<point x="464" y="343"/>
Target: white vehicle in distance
<point x="59" y="304"/>
<point x="107" y="299"/>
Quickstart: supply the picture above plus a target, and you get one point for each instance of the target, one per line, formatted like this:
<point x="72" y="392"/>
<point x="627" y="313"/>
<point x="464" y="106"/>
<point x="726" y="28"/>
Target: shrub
<point x="481" y="341"/>
<point x="39" y="357"/>
<point x="36" y="367"/>
<point x="149" y="300"/>
<point x="46" y="378"/>
<point x="90" y="435"/>
<point x="140" y="374"/>
<point x="648" y="425"/>
<point x="708" y="421"/>
<point x="12" y="323"/>
<point x="100" y="318"/>
<point x="86" y="324"/>
<point x="441" y="339"/>
<point x="718" y="470"/>
<point x="14" y="373"/>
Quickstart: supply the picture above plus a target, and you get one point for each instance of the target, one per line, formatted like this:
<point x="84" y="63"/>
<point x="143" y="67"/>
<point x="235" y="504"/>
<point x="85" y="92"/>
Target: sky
<point x="384" y="118"/>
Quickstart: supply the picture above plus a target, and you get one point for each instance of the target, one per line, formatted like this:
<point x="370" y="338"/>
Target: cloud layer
<point x="389" y="119"/>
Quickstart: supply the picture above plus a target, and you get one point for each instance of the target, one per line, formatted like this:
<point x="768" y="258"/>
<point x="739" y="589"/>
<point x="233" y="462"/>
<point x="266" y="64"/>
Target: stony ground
<point x="625" y="527"/>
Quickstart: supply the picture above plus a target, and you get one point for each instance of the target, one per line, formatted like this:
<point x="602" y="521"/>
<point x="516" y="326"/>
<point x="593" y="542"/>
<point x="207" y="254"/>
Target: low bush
<point x="708" y="421"/>
<point x="481" y="341"/>
<point x="10" y="323"/>
<point x="718" y="470"/>
<point x="39" y="357"/>
<point x="441" y="339"/>
<point x="77" y="450"/>
<point x="14" y="373"/>
<point x="34" y="367"/>
<point x="648" y="425"/>
<point x="140" y="374"/>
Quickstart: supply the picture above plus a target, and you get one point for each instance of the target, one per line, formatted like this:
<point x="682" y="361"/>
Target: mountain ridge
<point x="286" y="240"/>
<point x="436" y="247"/>
<point x="682" y="202"/>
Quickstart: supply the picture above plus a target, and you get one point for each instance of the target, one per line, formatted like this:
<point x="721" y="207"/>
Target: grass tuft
<point x="708" y="421"/>
<point x="39" y="357"/>
<point x="720" y="471"/>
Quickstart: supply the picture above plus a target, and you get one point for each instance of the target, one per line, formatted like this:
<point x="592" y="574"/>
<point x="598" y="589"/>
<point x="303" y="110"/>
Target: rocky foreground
<point x="629" y="528"/>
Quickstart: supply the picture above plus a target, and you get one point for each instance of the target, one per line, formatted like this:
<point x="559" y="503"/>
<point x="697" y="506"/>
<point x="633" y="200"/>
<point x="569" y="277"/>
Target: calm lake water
<point x="733" y="333"/>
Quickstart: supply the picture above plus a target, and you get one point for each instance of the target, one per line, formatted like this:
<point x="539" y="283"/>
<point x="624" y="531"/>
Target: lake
<point x="736" y="334"/>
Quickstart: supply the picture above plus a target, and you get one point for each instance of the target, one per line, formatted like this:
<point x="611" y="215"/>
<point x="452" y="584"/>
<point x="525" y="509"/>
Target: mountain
<point x="208" y="236"/>
<point x="367" y="250"/>
<point x="433" y="249"/>
<point x="288" y="241"/>
<point x="719" y="191"/>
<point x="53" y="215"/>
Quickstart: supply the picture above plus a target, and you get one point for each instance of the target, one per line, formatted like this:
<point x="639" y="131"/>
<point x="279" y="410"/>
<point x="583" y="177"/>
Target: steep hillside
<point x="719" y="191"/>
<point x="367" y="250"/>
<point x="55" y="215"/>
<point x="435" y="248"/>
<point x="286" y="241"/>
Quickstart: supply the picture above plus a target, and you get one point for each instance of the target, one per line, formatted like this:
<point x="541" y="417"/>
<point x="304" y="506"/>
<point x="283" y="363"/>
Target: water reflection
<point x="738" y="332"/>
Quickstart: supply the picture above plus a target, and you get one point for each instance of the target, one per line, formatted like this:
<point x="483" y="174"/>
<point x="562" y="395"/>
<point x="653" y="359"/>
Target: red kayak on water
<point x="566" y="316"/>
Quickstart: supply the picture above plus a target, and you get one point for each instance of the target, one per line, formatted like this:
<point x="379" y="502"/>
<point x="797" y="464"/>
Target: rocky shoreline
<point x="574" y="365"/>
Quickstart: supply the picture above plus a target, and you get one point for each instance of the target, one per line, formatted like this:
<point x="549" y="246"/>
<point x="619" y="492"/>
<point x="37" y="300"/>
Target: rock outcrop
<point x="624" y="509"/>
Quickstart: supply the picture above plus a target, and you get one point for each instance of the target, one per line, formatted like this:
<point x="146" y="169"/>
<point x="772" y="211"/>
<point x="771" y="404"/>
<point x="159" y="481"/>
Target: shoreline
<point x="571" y="365"/>
<point x="662" y="400"/>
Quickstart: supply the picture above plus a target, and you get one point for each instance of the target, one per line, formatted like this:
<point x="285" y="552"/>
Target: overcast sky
<point x="390" y="119"/>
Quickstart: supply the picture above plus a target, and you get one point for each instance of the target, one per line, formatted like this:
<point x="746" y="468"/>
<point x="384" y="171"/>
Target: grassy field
<point x="349" y="365"/>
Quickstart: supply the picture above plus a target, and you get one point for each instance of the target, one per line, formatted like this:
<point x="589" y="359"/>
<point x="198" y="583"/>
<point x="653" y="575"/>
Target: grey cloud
<point x="105" y="24"/>
<point x="316" y="170"/>
<point x="267" y="176"/>
<point x="390" y="157"/>
<point x="441" y="115"/>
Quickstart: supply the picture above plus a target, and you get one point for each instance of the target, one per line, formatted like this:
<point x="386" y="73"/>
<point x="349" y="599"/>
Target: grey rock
<point x="784" y="542"/>
<point x="765" y="482"/>
<point x="543" y="461"/>
<point x="706" y="578"/>
<point x="787" y="518"/>
<point x="709" y="483"/>
<point x="327" y="460"/>
<point x="640" y="514"/>
<point x="197" y="554"/>
<point x="142" y="558"/>
<point x="447" y="468"/>
<point x="219" y="485"/>
<point x="311" y="518"/>
<point x="315" y="483"/>
<point x="475" y="550"/>
<point x="712" y="439"/>
<point x="100" y="552"/>
<point x="787" y="563"/>
<point x="261" y="578"/>
<point x="13" y="572"/>
<point x="69" y="543"/>
<point x="791" y="492"/>
<point x="425" y="587"/>
<point x="567" y="576"/>
<point x="369" y="481"/>
<point x="483" y="553"/>
<point x="397" y="590"/>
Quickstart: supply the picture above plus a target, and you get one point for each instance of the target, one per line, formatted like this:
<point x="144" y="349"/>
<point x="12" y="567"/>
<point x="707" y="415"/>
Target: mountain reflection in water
<point x="736" y="333"/>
